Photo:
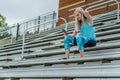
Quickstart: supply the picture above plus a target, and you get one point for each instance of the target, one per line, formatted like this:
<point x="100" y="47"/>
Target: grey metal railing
<point x="101" y="2"/>
<point x="118" y="9"/>
<point x="25" y="30"/>
<point x="105" y="3"/>
<point x="17" y="29"/>
<point x="64" y="22"/>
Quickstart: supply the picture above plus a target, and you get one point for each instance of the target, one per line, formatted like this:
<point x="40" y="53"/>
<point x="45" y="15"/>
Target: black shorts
<point x="90" y="43"/>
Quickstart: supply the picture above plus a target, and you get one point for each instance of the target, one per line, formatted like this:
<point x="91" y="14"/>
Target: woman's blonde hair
<point x="79" y="9"/>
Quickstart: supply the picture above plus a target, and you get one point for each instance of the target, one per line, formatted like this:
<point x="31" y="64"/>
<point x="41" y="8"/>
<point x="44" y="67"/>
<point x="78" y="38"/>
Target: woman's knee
<point x="78" y="40"/>
<point x="66" y="43"/>
<point x="90" y="43"/>
<point x="79" y="43"/>
<point x="66" y="39"/>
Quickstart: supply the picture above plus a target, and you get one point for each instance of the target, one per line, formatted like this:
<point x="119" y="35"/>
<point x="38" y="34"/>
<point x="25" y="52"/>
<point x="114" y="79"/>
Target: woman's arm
<point x="66" y="34"/>
<point x="77" y="24"/>
<point x="88" y="16"/>
<point x="73" y="34"/>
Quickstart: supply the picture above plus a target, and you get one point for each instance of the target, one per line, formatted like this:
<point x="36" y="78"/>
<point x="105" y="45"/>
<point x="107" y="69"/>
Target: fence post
<point x="11" y="36"/>
<point x="17" y="33"/>
<point x="23" y="44"/>
<point x="38" y="24"/>
<point x="54" y="16"/>
<point x="107" y="7"/>
<point x="67" y="15"/>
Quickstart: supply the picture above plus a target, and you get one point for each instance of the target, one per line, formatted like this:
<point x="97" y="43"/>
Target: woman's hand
<point x="86" y="14"/>
<point x="86" y="10"/>
<point x="78" y="17"/>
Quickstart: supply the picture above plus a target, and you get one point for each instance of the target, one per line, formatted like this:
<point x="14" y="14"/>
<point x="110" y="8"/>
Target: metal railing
<point x="16" y="30"/>
<point x="25" y="30"/>
<point x="105" y="3"/>
<point x="64" y="22"/>
<point x="118" y="9"/>
<point x="9" y="37"/>
<point x="91" y="8"/>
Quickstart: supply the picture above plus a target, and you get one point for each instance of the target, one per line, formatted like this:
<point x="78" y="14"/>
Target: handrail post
<point x="118" y="9"/>
<point x="23" y="44"/>
<point x="11" y="39"/>
<point x="11" y="36"/>
<point x="67" y="16"/>
<point x="65" y="22"/>
<point x="54" y="17"/>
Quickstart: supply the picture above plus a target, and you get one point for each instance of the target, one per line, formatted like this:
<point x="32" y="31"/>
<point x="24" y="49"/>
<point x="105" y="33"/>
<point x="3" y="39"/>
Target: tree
<point x="2" y="21"/>
<point x="3" y="27"/>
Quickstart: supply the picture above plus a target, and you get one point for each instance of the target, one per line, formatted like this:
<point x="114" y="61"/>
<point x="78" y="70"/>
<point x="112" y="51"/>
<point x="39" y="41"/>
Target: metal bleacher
<point x="43" y="53"/>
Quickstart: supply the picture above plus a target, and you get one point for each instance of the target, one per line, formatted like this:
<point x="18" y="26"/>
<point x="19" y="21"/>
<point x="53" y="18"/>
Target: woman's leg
<point x="90" y="43"/>
<point x="67" y="52"/>
<point x="81" y="53"/>
<point x="67" y="41"/>
<point x="80" y="43"/>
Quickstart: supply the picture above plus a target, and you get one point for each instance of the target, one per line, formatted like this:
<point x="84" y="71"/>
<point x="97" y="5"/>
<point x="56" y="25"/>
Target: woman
<point x="87" y="37"/>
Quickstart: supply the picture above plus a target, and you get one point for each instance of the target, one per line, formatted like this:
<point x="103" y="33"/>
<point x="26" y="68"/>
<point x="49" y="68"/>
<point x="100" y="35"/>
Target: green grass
<point x="6" y="41"/>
